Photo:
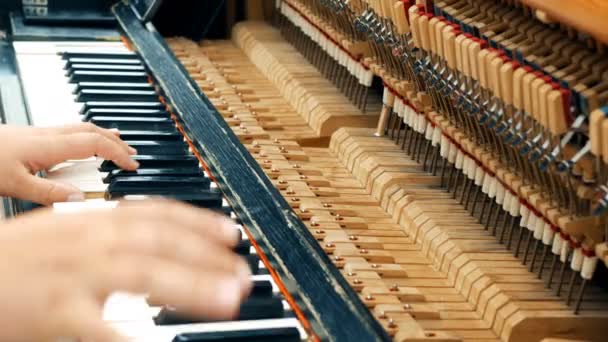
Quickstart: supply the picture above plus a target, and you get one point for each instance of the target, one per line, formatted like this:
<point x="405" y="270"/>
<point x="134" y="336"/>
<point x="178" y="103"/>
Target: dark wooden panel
<point x="332" y="304"/>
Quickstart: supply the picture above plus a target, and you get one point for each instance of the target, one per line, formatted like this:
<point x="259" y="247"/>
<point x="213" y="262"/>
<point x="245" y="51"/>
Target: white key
<point x="83" y="174"/>
<point x="146" y="331"/>
<point x="125" y="307"/>
<point x="48" y="93"/>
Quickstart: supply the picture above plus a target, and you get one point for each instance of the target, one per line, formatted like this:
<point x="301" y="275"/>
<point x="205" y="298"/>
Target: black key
<point x="208" y="199"/>
<point x="120" y="105"/>
<point x="155" y="162"/>
<point x="243" y="247"/>
<point x="116" y="61"/>
<point x="103" y="67"/>
<point x="123" y="186"/>
<point x="113" y="86"/>
<point x="252" y="308"/>
<point x="130" y="123"/>
<point x="172" y="172"/>
<point x="160" y="147"/>
<point x="254" y="263"/>
<point x="250" y="335"/>
<point x="87" y="95"/>
<point x="108" y="76"/>
<point x="261" y="308"/>
<point x="226" y="211"/>
<point x="261" y="288"/>
<point x="151" y="135"/>
<point x="119" y="112"/>
<point x="104" y="55"/>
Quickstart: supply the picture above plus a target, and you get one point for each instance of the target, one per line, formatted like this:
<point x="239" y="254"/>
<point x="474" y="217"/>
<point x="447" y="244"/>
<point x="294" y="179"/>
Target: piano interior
<point x="400" y="170"/>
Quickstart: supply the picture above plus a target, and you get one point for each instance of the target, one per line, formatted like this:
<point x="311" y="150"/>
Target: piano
<point x="399" y="170"/>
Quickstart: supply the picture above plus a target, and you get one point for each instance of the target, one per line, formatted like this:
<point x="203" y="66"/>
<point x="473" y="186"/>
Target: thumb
<point x="81" y="318"/>
<point x="46" y="192"/>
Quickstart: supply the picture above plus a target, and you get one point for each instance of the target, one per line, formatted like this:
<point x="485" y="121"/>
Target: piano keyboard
<point x="106" y="85"/>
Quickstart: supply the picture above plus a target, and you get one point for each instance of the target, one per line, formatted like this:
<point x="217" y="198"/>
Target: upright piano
<point x="399" y="170"/>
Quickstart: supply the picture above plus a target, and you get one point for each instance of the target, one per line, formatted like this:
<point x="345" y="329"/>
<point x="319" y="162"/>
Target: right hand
<point x="57" y="270"/>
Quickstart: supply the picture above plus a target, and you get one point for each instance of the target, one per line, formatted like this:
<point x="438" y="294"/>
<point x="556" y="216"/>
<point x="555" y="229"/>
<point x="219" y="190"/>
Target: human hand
<point x="58" y="269"/>
<point x="27" y="150"/>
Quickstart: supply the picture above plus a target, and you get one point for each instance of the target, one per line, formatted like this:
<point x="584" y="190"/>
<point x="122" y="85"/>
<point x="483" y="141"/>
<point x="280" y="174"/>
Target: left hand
<point x="27" y="150"/>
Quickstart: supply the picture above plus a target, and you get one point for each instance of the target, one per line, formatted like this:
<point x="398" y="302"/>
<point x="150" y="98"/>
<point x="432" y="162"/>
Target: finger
<point x="86" y="127"/>
<point x="79" y="146"/>
<point x="202" y="222"/>
<point x="194" y="291"/>
<point x="175" y="244"/>
<point x="80" y="318"/>
<point x="46" y="192"/>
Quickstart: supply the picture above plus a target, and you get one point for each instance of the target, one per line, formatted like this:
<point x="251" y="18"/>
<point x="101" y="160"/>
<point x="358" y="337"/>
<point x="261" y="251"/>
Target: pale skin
<point x="27" y="150"/>
<point x="57" y="270"/>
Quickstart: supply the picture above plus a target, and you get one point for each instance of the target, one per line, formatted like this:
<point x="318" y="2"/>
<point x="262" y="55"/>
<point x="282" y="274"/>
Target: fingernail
<point x="76" y="197"/>
<point x="228" y="295"/>
<point x="115" y="131"/>
<point x="132" y="151"/>
<point x="244" y="271"/>
<point x="230" y="230"/>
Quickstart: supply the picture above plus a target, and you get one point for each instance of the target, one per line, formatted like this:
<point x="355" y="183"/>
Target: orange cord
<point x="127" y="43"/>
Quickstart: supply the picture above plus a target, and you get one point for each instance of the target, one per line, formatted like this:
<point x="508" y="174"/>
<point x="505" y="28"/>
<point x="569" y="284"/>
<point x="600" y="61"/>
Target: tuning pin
<point x="547" y="240"/>
<point x="444" y="147"/>
<point x="388" y="99"/>
<point x="538" y="234"/>
<point x="452" y="153"/>
<point x="499" y="200"/>
<point x="531" y="229"/>
<point x="485" y="190"/>
<point x="428" y="136"/>
<point x="555" y="250"/>
<point x="436" y="143"/>
<point x="492" y="191"/>
<point x="564" y="257"/>
<point x="523" y="222"/>
<point x="421" y="129"/>
<point x="410" y="117"/>
<point x="515" y="216"/>
<point x="575" y="265"/>
<point x="588" y="269"/>
<point x="397" y="113"/>
<point x="458" y="166"/>
<point x="469" y="172"/>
